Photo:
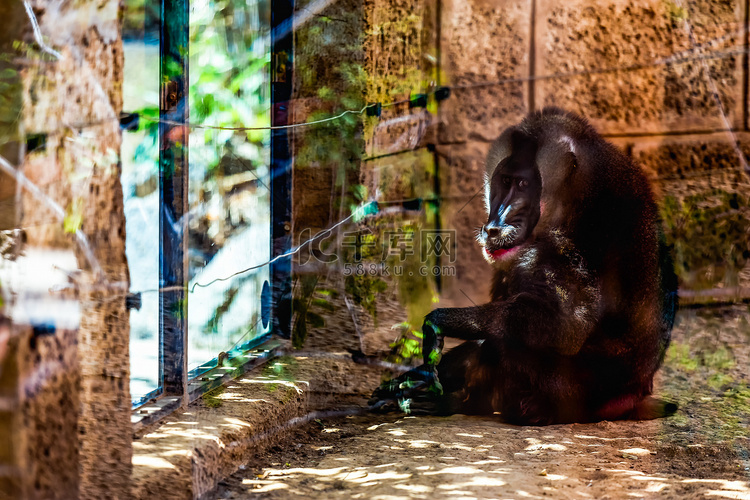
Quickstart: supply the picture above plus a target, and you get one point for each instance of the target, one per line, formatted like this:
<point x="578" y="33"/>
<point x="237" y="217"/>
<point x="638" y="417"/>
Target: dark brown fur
<point x="583" y="303"/>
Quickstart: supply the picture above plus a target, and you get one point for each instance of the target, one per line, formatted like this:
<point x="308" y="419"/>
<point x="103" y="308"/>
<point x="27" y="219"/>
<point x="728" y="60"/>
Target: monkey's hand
<point x="420" y="385"/>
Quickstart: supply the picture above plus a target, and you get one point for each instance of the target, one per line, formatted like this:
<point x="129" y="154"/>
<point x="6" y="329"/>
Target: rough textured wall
<point x="484" y="41"/>
<point x="327" y="80"/>
<point x="72" y="413"/>
<point x="634" y="90"/>
<point x="665" y="80"/>
<point x="485" y="48"/>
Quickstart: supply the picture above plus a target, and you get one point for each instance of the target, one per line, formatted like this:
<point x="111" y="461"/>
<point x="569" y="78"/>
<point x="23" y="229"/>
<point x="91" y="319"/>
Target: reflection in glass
<point x="229" y="198"/>
<point x="140" y="184"/>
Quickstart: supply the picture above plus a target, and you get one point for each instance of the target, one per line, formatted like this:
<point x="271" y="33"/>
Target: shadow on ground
<point x="702" y="452"/>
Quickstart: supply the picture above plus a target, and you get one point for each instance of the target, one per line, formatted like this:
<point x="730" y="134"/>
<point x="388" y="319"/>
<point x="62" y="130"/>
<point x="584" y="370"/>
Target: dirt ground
<point x="703" y="451"/>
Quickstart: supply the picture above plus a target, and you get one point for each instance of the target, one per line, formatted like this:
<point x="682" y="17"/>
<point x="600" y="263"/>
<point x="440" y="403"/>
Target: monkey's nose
<point x="492" y="232"/>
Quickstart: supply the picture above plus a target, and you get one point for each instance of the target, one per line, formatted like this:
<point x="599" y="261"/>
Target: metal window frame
<point x="177" y="385"/>
<point x="282" y="52"/>
<point x="174" y="88"/>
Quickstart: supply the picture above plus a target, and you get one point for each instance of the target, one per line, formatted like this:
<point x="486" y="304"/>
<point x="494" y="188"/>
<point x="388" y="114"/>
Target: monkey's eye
<point x="506" y="180"/>
<point x="523" y="184"/>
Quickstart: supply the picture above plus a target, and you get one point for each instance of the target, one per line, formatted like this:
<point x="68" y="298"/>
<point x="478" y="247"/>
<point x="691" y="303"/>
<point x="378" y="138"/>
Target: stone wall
<point x="665" y="81"/>
<point x="65" y="372"/>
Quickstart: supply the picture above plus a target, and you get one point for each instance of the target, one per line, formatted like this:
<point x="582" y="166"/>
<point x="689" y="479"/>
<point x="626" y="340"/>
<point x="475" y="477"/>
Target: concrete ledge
<point x="191" y="451"/>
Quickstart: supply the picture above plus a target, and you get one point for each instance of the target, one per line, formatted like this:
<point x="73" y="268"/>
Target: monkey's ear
<point x="569" y="146"/>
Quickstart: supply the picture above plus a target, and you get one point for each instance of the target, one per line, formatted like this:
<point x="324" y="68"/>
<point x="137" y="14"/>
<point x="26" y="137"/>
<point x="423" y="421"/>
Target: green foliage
<point x="709" y="235"/>
<point x="407" y="346"/>
<point x="10" y="101"/>
<point x="675" y="12"/>
<point x="73" y="216"/>
<point x="679" y="356"/>
<point x="720" y="359"/>
<point x="363" y="290"/>
<point x="709" y="387"/>
<point x="229" y="67"/>
<point x="140" y="16"/>
<point x="719" y="380"/>
<point x="309" y="306"/>
<point x="212" y="399"/>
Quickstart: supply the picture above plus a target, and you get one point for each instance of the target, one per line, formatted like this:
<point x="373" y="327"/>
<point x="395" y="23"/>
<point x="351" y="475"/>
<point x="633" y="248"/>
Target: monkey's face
<point x="513" y="202"/>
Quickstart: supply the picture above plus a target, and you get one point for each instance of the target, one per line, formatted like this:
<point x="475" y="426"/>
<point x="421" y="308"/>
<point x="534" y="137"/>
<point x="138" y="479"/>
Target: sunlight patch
<point x="737" y="495"/>
<point x="414" y="488"/>
<point x="455" y="470"/>
<point x="536" y="445"/>
<point x="422" y="443"/>
<point x="475" y="481"/>
<point x="636" y="451"/>
<point x="306" y="470"/>
<point x="260" y="486"/>
<point x="154" y="462"/>
<point x="469" y="435"/>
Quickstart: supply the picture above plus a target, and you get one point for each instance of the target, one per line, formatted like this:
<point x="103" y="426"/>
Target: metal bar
<point x="173" y="188"/>
<point x="149" y="413"/>
<point x="149" y="396"/>
<point x="153" y="407"/>
<point x="220" y="375"/>
<point x="281" y="165"/>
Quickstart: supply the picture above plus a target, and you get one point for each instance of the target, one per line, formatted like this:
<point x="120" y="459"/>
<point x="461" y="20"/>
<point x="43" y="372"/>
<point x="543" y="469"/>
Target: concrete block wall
<point x="633" y="41"/>
<point x="647" y="75"/>
<point x="328" y="49"/>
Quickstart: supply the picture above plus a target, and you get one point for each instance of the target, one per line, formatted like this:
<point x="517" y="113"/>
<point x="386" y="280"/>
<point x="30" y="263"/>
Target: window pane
<point x="229" y="199"/>
<point x="140" y="184"/>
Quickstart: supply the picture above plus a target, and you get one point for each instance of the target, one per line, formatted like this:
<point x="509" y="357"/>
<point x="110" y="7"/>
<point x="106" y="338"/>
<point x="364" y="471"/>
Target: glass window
<point x="228" y="191"/>
<point x="229" y="217"/>
<point x="140" y="185"/>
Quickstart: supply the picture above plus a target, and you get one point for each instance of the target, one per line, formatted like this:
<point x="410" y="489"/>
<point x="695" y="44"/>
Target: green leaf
<point x="73" y="216"/>
<point x="299" y="333"/>
<point x="315" y="320"/>
<point x="324" y="304"/>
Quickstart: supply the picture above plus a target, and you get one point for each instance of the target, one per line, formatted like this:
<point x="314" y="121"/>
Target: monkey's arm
<point x="542" y="318"/>
<point x="534" y="321"/>
<point x="549" y="311"/>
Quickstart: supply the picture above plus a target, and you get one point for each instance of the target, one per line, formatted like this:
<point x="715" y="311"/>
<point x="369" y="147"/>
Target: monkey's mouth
<point x="503" y="245"/>
<point x="500" y="253"/>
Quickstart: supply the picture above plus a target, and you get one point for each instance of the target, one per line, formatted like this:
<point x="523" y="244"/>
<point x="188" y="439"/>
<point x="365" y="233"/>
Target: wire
<point x="668" y="61"/>
<point x="274" y="127"/>
<point x="38" y="33"/>
<point x="365" y="209"/>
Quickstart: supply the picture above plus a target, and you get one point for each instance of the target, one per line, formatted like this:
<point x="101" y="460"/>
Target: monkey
<point x="583" y="296"/>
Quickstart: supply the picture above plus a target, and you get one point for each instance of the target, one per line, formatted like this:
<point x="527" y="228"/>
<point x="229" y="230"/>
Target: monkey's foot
<point x="412" y="390"/>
